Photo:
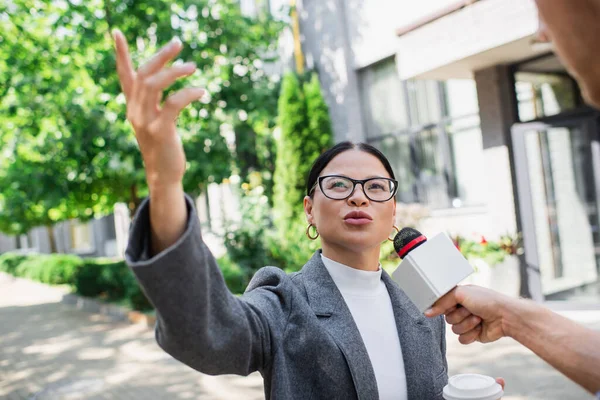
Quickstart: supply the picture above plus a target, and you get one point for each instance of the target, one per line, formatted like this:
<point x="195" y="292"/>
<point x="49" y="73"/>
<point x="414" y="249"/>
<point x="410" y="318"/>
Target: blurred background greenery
<point x="67" y="151"/>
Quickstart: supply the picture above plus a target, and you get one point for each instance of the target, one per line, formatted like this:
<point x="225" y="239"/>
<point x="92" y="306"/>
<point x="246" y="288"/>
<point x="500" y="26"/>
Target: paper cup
<point x="472" y="387"/>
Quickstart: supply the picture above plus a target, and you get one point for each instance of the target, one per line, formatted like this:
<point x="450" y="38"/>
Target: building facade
<point x="482" y="123"/>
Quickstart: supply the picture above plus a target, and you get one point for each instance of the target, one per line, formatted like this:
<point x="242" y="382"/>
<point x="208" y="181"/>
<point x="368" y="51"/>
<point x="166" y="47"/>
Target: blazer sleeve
<point x="199" y="322"/>
<point x="442" y="322"/>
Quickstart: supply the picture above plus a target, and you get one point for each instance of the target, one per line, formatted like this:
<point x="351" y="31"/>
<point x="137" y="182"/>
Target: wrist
<point x="160" y="188"/>
<point x="511" y="312"/>
<point x="168" y="215"/>
<point x="161" y="178"/>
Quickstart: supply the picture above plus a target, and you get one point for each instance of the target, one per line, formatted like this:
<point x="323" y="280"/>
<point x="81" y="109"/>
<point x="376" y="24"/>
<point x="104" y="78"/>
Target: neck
<point x="366" y="260"/>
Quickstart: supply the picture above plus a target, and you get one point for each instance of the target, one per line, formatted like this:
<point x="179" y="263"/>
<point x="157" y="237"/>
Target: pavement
<point x="51" y="350"/>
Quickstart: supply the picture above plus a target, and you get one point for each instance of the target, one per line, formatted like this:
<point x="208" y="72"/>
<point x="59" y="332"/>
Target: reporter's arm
<point x="567" y="346"/>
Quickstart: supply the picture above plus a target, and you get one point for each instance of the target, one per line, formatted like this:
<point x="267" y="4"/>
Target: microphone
<point x="429" y="268"/>
<point x="407" y="240"/>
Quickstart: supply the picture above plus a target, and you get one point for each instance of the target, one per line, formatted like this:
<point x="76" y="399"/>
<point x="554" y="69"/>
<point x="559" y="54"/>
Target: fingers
<point x="470" y="336"/>
<point x="152" y="87"/>
<point x="124" y="65"/>
<point x="457" y="316"/>
<point x="501" y="382"/>
<point x="168" y="76"/>
<point x="466" y="325"/>
<point x="158" y="61"/>
<point x="178" y="101"/>
<point x="447" y="302"/>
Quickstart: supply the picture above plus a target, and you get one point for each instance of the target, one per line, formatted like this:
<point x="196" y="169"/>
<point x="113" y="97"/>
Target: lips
<point x="358" y="218"/>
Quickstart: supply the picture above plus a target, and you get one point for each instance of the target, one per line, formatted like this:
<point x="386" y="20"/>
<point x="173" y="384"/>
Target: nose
<point x="358" y="197"/>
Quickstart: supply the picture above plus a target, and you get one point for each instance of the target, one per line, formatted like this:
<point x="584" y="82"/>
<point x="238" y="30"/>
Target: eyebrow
<point x="368" y="177"/>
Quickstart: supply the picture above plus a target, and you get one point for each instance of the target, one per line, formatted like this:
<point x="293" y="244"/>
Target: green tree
<point x="321" y="133"/>
<point x="293" y="125"/>
<point x="305" y="132"/>
<point x="62" y="115"/>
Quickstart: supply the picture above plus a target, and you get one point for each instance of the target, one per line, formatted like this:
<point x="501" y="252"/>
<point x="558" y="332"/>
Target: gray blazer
<point x="295" y="329"/>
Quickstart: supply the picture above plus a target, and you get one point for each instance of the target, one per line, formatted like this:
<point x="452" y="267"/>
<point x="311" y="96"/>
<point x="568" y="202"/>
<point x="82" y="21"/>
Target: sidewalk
<point x="50" y="350"/>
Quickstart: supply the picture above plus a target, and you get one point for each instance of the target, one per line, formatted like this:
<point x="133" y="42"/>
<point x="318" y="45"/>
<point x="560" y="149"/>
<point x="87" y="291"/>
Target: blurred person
<point x="573" y="26"/>
<point x="337" y="329"/>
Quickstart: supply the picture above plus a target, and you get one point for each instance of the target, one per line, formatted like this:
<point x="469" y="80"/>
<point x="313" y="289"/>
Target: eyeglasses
<point x="338" y="187"/>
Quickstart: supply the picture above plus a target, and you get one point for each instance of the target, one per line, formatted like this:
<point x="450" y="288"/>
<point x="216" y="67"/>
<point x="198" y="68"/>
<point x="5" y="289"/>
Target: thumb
<point x="445" y="303"/>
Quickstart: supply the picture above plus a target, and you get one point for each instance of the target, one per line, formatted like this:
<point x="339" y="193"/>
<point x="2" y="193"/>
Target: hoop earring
<point x="397" y="231"/>
<point x="308" y="232"/>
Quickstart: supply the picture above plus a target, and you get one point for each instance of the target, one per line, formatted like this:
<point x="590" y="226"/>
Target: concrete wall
<point x="339" y="37"/>
<point x="342" y="36"/>
<point x="472" y="38"/>
<point x="102" y="232"/>
<point x="372" y="25"/>
<point x="7" y="243"/>
<point x="328" y="50"/>
<point x="498" y="114"/>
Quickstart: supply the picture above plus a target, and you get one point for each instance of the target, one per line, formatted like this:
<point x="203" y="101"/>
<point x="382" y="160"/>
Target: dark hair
<point x="328" y="155"/>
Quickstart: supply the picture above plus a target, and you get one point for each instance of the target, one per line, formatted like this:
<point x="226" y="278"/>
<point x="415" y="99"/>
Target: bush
<point x="55" y="269"/>
<point x="90" y="277"/>
<point x="101" y="277"/>
<point x="388" y="257"/>
<point x="235" y="278"/>
<point x="111" y="280"/>
<point x="87" y="282"/>
<point x="292" y="253"/>
<point x="305" y="133"/>
<point x="246" y="244"/>
<point x="10" y="261"/>
<point x="294" y="124"/>
<point x="134" y="294"/>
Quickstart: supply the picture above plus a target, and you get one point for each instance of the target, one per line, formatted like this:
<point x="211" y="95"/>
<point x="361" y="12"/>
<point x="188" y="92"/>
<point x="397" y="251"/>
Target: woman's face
<point x="331" y="217"/>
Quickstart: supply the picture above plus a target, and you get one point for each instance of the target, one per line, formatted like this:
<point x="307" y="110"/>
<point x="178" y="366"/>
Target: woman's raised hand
<point x="154" y="123"/>
<point x="152" y="119"/>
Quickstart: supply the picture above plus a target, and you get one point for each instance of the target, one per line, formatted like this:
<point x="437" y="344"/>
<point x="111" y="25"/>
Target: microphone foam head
<point x="404" y="237"/>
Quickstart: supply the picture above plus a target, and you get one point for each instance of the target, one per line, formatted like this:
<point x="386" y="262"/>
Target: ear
<point x="308" y="209"/>
<point x="394" y="213"/>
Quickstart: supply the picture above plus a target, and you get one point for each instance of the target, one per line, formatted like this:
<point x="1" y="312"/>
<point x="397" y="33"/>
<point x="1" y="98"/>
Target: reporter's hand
<point x="153" y="122"/>
<point x="475" y="313"/>
<point x="501" y="382"/>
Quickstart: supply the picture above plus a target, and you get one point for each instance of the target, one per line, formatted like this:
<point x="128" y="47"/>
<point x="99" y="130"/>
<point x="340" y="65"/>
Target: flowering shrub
<point x="492" y="252"/>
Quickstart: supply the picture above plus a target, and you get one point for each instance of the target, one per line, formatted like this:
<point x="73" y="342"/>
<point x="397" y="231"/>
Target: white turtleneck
<point x="369" y="302"/>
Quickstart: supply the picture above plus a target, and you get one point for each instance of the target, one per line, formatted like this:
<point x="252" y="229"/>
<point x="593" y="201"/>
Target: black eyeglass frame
<point x="354" y="183"/>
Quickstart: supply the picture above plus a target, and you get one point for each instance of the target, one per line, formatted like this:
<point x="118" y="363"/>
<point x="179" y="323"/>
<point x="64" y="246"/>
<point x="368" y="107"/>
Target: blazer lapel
<point x="328" y="304"/>
<point x="416" y="350"/>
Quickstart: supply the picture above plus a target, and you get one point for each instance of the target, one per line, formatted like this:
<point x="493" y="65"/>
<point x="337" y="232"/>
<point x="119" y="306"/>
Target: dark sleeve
<point x="442" y="322"/>
<point x="199" y="322"/>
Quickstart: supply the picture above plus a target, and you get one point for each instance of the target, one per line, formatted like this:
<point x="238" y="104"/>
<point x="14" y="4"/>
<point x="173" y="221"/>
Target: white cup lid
<point x="472" y="387"/>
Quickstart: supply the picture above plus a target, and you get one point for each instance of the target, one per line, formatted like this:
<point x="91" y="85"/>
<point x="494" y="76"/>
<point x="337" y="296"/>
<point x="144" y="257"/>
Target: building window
<point x="424" y="102"/>
<point x="384" y="105"/>
<point x="544" y="88"/>
<point x="431" y="133"/>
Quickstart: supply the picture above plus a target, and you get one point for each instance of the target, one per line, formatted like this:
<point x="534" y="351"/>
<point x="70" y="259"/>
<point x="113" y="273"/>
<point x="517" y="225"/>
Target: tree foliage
<point x="66" y="149"/>
<point x="305" y="132"/>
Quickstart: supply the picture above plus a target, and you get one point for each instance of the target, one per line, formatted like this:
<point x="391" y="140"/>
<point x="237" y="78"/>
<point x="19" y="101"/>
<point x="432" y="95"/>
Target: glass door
<point x="558" y="171"/>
